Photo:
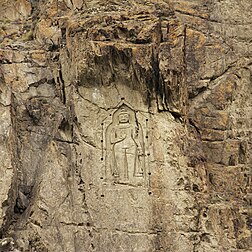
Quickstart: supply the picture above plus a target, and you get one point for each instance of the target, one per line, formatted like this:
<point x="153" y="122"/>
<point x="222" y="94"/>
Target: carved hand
<point x="122" y="136"/>
<point x="118" y="139"/>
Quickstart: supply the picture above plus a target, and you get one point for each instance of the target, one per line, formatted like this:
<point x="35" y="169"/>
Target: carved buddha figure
<point x="125" y="147"/>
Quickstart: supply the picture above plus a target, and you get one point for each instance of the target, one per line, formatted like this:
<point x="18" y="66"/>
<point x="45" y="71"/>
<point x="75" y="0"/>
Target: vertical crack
<point x="61" y="83"/>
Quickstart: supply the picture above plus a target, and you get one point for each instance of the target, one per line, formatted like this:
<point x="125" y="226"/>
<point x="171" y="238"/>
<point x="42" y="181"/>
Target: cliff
<point x="125" y="125"/>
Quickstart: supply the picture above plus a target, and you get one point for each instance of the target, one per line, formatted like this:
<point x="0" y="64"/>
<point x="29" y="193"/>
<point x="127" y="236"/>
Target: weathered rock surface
<point x="125" y="125"/>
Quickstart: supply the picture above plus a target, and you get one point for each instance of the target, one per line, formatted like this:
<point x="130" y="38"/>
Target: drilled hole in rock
<point x="147" y="120"/>
<point x="89" y="233"/>
<point x="101" y="141"/>
<point x="195" y="188"/>
<point x="102" y="159"/>
<point x="122" y="98"/>
<point x="204" y="215"/>
<point x="150" y="193"/>
<point x="149" y="173"/>
<point x="101" y="177"/>
<point x="146" y="137"/>
<point x="102" y="195"/>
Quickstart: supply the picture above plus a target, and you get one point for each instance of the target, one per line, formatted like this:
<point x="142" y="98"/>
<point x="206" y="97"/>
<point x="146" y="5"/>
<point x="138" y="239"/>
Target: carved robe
<point x="125" y="148"/>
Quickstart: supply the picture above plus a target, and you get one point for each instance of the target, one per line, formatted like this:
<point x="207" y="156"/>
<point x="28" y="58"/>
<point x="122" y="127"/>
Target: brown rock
<point x="125" y="125"/>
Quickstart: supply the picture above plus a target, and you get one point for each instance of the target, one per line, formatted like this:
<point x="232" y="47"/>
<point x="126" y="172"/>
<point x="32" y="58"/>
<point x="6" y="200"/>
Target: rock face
<point x="126" y="125"/>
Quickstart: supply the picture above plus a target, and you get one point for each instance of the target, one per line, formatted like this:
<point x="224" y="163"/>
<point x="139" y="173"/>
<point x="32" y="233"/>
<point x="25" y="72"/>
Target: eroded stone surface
<point x="125" y="126"/>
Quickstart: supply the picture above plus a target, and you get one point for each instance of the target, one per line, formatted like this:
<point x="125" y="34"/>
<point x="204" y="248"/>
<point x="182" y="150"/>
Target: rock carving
<point x="125" y="157"/>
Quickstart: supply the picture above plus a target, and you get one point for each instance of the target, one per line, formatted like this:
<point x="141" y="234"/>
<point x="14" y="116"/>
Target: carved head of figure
<point x="123" y="116"/>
